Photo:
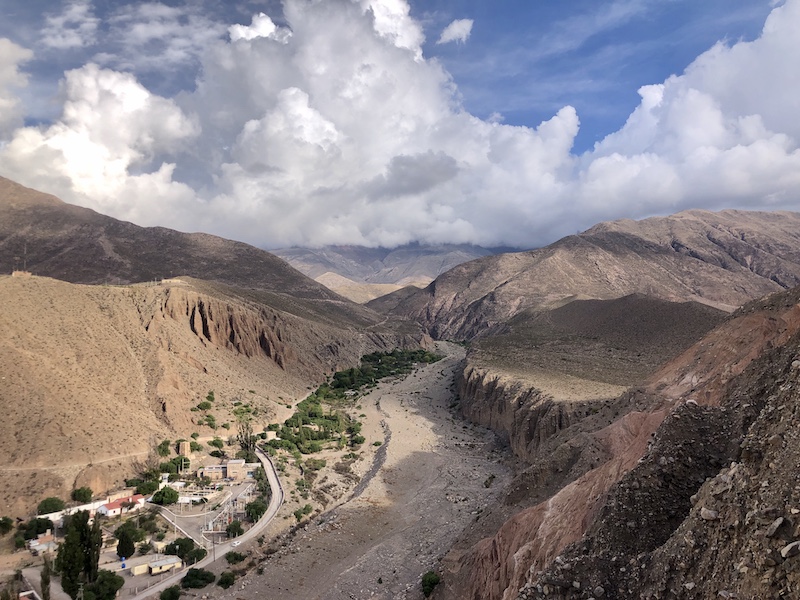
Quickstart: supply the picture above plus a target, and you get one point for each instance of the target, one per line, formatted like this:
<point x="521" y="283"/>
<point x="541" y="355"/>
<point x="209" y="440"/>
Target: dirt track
<point x="430" y="487"/>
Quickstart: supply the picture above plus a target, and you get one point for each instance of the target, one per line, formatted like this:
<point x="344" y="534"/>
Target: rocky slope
<point x="720" y="259"/>
<point x="637" y="499"/>
<point x="50" y="238"/>
<point x="78" y="361"/>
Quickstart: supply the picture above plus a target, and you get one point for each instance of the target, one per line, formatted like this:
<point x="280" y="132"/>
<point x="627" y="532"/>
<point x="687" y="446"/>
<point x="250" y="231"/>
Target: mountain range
<point x="642" y="375"/>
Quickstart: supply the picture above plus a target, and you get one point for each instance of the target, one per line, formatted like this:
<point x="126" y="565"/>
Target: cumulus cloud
<point x="101" y="151"/>
<point x="11" y="110"/>
<point x="337" y="129"/>
<point x="458" y="31"/>
<point x="261" y="27"/>
<point x="74" y="27"/>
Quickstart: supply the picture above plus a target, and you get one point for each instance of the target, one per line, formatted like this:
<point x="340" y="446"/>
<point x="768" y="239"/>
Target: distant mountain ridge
<point x="404" y="265"/>
<point x="720" y="259"/>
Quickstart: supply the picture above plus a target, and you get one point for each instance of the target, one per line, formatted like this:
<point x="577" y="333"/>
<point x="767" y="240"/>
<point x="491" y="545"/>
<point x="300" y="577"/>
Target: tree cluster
<point x="78" y="557"/>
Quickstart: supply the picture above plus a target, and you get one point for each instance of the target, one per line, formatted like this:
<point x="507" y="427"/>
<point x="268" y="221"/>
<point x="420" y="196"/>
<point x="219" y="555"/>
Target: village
<point x="213" y="509"/>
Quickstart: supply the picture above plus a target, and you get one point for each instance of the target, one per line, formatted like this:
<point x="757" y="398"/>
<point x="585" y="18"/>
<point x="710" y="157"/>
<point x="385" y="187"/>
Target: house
<point x="44" y="542"/>
<point x="166" y="564"/>
<point x="121" y="505"/>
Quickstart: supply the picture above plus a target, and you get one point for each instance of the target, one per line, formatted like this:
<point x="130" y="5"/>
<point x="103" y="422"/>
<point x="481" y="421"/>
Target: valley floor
<point x="438" y="476"/>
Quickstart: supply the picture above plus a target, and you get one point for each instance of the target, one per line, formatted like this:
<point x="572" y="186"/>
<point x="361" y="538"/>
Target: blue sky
<point x="381" y="122"/>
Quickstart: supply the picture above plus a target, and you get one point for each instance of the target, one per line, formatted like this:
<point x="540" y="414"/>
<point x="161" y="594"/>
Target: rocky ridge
<point x="620" y="484"/>
<point x="720" y="259"/>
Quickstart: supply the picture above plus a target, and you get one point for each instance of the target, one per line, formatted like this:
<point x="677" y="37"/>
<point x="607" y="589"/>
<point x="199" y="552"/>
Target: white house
<point x="121" y="505"/>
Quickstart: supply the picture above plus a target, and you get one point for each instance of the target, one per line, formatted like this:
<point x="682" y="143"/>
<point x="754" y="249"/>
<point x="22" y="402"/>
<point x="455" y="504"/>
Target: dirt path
<point x="428" y="489"/>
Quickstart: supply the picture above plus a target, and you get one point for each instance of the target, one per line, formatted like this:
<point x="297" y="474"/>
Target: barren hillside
<point x="93" y="375"/>
<point x="720" y="259"/>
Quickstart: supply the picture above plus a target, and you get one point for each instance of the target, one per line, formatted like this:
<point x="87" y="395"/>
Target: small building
<point x="235" y="469"/>
<point x="44" y="542"/>
<point x="165" y="564"/>
<point x="121" y="506"/>
<point x="184" y="448"/>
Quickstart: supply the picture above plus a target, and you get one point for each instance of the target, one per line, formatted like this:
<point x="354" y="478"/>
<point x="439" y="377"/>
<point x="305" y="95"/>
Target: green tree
<point x="46" y="572"/>
<point x="107" y="585"/>
<point x="50" y="505"/>
<point x="180" y="547"/>
<point x="217" y="443"/>
<point x="166" y="495"/>
<point x="197" y="578"/>
<point x="82" y="494"/>
<point x="146" y="488"/>
<point x="247" y="441"/>
<point x="69" y="561"/>
<point x="171" y="593"/>
<point x="126" y="547"/>
<point x="226" y="580"/>
<point x="36" y="526"/>
<point x="129" y="526"/>
<point x="93" y="550"/>
<point x="235" y="529"/>
<point x="255" y="509"/>
<point x="6" y="525"/>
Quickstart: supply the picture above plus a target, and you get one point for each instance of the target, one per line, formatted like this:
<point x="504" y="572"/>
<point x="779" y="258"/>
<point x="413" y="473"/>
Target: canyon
<point x="632" y="389"/>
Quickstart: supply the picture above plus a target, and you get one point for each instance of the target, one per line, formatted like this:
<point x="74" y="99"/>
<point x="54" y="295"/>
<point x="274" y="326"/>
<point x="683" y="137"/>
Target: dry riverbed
<point x="431" y="479"/>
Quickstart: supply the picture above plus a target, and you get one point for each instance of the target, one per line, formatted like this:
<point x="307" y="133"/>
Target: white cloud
<point x="74" y="27"/>
<point x="11" y="109"/>
<point x="458" y="31"/>
<point x="101" y="152"/>
<point x="261" y="27"/>
<point x="342" y="132"/>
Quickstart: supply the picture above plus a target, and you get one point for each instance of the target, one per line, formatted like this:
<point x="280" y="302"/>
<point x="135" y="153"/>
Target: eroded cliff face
<point x="623" y="488"/>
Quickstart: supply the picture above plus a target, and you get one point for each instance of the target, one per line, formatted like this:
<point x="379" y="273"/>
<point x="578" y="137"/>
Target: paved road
<point x="218" y="550"/>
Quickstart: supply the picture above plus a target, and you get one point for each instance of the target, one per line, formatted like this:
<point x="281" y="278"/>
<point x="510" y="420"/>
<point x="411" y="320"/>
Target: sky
<point x="386" y="122"/>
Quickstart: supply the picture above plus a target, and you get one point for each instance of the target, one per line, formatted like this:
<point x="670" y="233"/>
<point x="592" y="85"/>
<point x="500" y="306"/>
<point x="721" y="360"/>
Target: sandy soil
<point x="401" y="521"/>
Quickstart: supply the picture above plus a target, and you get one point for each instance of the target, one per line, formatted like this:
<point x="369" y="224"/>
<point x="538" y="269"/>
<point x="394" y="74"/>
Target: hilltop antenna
<point x="25" y="257"/>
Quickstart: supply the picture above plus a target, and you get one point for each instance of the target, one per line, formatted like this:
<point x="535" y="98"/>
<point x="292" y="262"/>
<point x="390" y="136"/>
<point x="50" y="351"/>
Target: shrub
<point x="197" y="578"/>
<point x="226" y="580"/>
<point x="50" y="505"/>
<point x="82" y="494"/>
<point x="171" y="593"/>
<point x="163" y="448"/>
<point x="204" y="405"/>
<point x="6" y="525"/>
<point x="217" y="443"/>
<point x="429" y="581"/>
<point x="234" y="557"/>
